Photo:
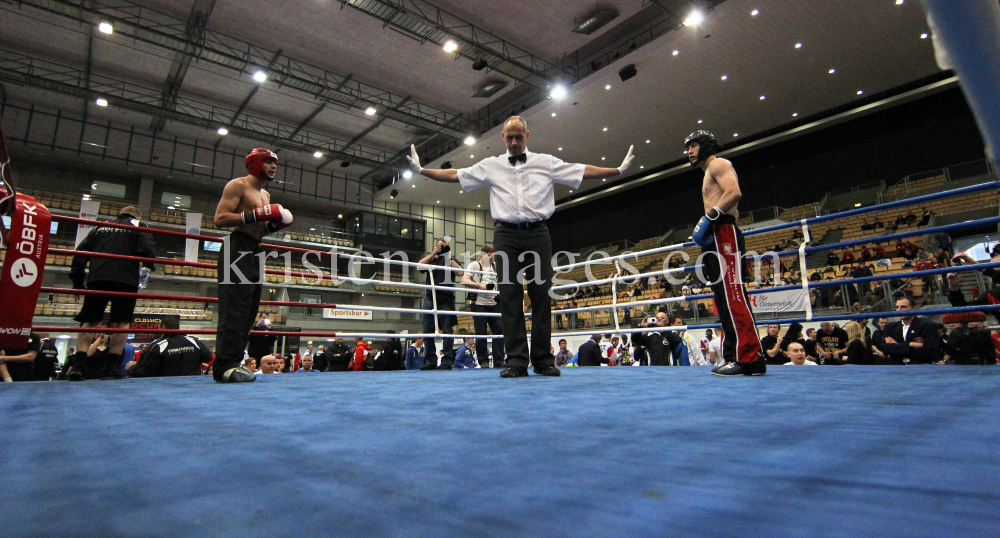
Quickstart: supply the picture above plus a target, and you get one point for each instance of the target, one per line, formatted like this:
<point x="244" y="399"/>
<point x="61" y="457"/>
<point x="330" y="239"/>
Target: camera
<point x="957" y="261"/>
<point x="490" y="286"/>
<point x="651" y="320"/>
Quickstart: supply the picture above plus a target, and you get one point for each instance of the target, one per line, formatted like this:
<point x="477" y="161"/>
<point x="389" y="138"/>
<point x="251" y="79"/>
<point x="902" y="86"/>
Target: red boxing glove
<point x="285" y="221"/>
<point x="266" y="213"/>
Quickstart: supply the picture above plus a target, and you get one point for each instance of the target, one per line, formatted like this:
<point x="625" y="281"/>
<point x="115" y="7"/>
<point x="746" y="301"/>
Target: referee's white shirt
<point x="523" y="192"/>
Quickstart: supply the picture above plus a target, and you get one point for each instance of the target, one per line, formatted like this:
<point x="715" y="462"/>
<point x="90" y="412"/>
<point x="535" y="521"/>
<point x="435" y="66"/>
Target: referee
<point x="521" y="200"/>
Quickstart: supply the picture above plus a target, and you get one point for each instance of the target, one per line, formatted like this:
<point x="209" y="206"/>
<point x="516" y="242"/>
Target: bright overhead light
<point x="63" y="336"/>
<point x="762" y="97"/>
<point x="725" y="77"/>
<point x="899" y="2"/>
<point x="105" y="28"/>
<point x="479" y="205"/>
<point x="560" y="149"/>
<point x="648" y="141"/>
<point x="798" y="45"/>
<point x="439" y="201"/>
<point x="223" y="131"/>
<point x="754" y="13"/>
<point x="604" y="179"/>
<point x="102" y="102"/>
<point x="923" y="36"/>
<point x="558" y="91"/>
<point x="643" y="166"/>
<point x="571" y="190"/>
<point x="470" y="140"/>
<point x="676" y="52"/>
<point x="259" y="76"/>
<point x="170" y="207"/>
<point x="860" y="92"/>
<point x="407" y="174"/>
<point x="832" y="71"/>
<point x="607" y="87"/>
<point x="603" y="158"/>
<point x="553" y="114"/>
<point x="450" y="46"/>
<point x="312" y="229"/>
<point x="414" y="186"/>
<point x="370" y="111"/>
<point x="317" y="154"/>
<point x="735" y="135"/>
<point x="696" y="17"/>
<point x="605" y="128"/>
<point x="795" y="115"/>
<point x="472" y="156"/>
<point x="701" y="121"/>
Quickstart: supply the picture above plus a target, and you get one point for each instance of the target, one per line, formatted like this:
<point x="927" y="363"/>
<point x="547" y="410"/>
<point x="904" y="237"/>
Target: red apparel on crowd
<point x="996" y="345"/>
<point x="360" y="357"/>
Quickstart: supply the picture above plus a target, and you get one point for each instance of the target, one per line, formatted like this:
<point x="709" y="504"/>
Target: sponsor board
<point x="347" y="313"/>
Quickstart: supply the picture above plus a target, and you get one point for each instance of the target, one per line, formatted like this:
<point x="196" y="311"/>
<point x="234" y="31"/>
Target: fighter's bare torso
<point x="250" y="197"/>
<point x="718" y="172"/>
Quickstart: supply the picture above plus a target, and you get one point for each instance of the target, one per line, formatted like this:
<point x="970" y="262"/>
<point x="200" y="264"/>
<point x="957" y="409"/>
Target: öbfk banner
<point x="23" y="267"/>
<point x="780" y="301"/>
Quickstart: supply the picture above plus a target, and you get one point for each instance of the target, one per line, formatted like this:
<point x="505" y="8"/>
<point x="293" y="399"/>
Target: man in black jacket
<point x="110" y="275"/>
<point x="171" y="355"/>
<point x="878" y="342"/>
<point x="590" y="353"/>
<point x="911" y="340"/>
<point x="659" y="344"/>
<point x="261" y="344"/>
<point x="338" y="355"/>
<point x="391" y="357"/>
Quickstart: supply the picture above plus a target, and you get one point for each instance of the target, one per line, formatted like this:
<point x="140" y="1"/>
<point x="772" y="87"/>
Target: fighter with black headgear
<point x="247" y="207"/>
<point x="722" y="244"/>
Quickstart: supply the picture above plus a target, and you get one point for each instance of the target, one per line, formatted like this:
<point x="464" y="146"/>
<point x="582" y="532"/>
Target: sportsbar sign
<point x="23" y="267"/>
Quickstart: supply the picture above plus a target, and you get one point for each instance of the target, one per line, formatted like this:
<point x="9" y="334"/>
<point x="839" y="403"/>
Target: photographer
<point x="171" y="355"/>
<point x="482" y="302"/>
<point x="659" y="345"/>
<point x="444" y="277"/>
<point x="261" y="344"/>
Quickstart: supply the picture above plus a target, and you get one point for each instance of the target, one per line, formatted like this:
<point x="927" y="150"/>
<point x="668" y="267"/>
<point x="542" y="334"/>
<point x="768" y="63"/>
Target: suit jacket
<point x="920" y="328"/>
<point x="590" y="354"/>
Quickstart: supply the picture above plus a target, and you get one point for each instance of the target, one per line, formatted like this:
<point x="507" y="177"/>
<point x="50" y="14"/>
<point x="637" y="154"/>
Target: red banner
<point x="23" y="267"/>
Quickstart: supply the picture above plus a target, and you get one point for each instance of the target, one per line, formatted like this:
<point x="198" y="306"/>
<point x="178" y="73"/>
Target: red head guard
<point x="963" y="317"/>
<point x="255" y="161"/>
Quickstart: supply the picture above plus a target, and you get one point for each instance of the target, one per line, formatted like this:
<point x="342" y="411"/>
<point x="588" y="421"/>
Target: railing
<point x="955" y="172"/>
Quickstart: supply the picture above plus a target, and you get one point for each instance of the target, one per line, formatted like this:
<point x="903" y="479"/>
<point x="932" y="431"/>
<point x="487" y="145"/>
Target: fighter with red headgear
<point x="247" y="207"/>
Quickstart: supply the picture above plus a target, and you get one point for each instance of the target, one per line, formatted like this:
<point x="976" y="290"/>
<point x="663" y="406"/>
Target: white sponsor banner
<point x="88" y="210"/>
<point x="193" y="227"/>
<point x="780" y="301"/>
<point x="347" y="313"/>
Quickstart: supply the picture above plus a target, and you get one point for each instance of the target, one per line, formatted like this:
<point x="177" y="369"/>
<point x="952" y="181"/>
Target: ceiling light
<point x="407" y="174"/>
<point x="472" y="156"/>
<point x="223" y="131"/>
<point x="605" y="128"/>
<point x="553" y="114"/>
<point x="899" y="2"/>
<point x="860" y="92"/>
<point x="470" y="140"/>
<point x="923" y="36"/>
<point x="260" y="76"/>
<point x="558" y="91"/>
<point x="571" y="190"/>
<point x="701" y="121"/>
<point x="676" y="52"/>
<point x="798" y="45"/>
<point x="370" y="111"/>
<point x="414" y="186"/>
<point x="560" y="149"/>
<point x="643" y="166"/>
<point x="832" y="71"/>
<point x="439" y="201"/>
<point x="795" y="115"/>
<point x="762" y="97"/>
<point x="477" y="205"/>
<point x="317" y="154"/>
<point x="340" y="216"/>
<point x="754" y="13"/>
<point x="608" y="87"/>
<point x="695" y="18"/>
<point x="603" y="158"/>
<point x="724" y="77"/>
<point x="735" y="135"/>
<point x="102" y="102"/>
<point x="105" y="27"/>
<point x="648" y="141"/>
<point x="604" y="179"/>
<point x="450" y="46"/>
<point x="312" y="229"/>
<point x="170" y="207"/>
<point x="63" y="336"/>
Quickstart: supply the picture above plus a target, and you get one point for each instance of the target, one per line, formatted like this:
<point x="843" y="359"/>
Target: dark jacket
<point x="878" y="340"/>
<point x="46" y="360"/>
<point x="260" y="344"/>
<point x="660" y="346"/>
<point x="392" y="357"/>
<point x="108" y="240"/>
<point x="970" y="346"/>
<point x="992" y="296"/>
<point x="338" y="357"/>
<point x="920" y="328"/>
<point x="171" y="356"/>
<point x="590" y="354"/>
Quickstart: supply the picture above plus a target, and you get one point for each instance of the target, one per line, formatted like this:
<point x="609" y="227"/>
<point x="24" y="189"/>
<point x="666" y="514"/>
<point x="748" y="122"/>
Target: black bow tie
<point x="514" y="158"/>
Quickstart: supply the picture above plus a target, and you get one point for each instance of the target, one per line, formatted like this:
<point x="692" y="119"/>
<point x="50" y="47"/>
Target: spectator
<point x="114" y="276"/>
<point x="772" y="347"/>
<point x="18" y="364"/>
<point x="307" y="365"/>
<point x="47" y="361"/>
<point x="361" y="353"/>
<point x="879" y="251"/>
<point x="171" y="355"/>
<point x="687" y="351"/>
<point x="391" y="357"/>
<point x="848" y="257"/>
<point x="250" y="363"/>
<point x="465" y="358"/>
<point x="338" y="356"/>
<point x="867" y="226"/>
<point x="816" y="276"/>
<point x="319" y="362"/>
<point x="590" y="353"/>
<point x="956" y="298"/>
<point x="660" y="345"/>
<point x="832" y="259"/>
<point x="878" y="342"/>
<point x="261" y="344"/>
<point x="482" y="302"/>
<point x="415" y="355"/>
<point x="792" y="335"/>
<point x="797" y="356"/>
<point x="877" y="225"/>
<point x="857" y="349"/>
<point x="831" y="341"/>
<point x="911" y="340"/>
<point x="563" y="355"/>
<point x="900" y="249"/>
<point x="943" y="240"/>
<point x="968" y="344"/>
<point x="444" y="278"/>
<point x="866" y="255"/>
<point x="811" y="344"/>
<point x="279" y="364"/>
<point x="926" y="218"/>
<point x="268" y="365"/>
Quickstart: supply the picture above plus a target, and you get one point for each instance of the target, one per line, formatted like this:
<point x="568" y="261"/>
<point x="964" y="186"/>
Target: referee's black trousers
<point x="536" y="263"/>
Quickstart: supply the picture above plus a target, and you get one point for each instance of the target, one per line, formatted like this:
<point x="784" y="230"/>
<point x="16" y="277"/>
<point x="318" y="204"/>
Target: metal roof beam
<point x="195" y="31"/>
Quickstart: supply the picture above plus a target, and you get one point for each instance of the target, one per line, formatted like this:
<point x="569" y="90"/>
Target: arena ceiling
<point x="358" y="81"/>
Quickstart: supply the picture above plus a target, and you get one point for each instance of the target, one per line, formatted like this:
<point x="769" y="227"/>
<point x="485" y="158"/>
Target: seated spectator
<point x="465" y="357"/>
<point x="279" y="364"/>
<point x="900" y="248"/>
<point x="832" y="259"/>
<point x="877" y="225"/>
<point x="866" y="255"/>
<point x="910" y="218"/>
<point x="848" y="257"/>
<point x="797" y="356"/>
<point x="968" y="343"/>
<point x="415" y="354"/>
<point x="590" y="352"/>
<point x="879" y="251"/>
<point x="171" y="355"/>
<point x="857" y="350"/>
<point x="307" y="365"/>
<point x="772" y="346"/>
<point x="268" y="365"/>
<point x="867" y="226"/>
<point x="816" y="276"/>
<point x="250" y="363"/>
